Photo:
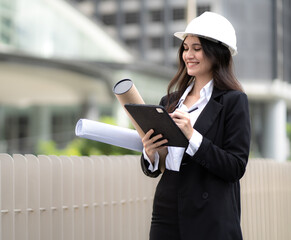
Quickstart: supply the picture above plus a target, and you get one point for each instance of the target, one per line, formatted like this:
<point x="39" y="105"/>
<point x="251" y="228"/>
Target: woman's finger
<point x="160" y="143"/>
<point x="148" y="134"/>
<point x="154" y="142"/>
<point x="179" y="114"/>
<point x="156" y="138"/>
<point x="152" y="145"/>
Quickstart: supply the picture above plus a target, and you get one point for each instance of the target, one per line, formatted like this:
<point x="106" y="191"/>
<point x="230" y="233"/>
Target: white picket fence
<point x="266" y="200"/>
<point x="109" y="198"/>
<point x="74" y="198"/>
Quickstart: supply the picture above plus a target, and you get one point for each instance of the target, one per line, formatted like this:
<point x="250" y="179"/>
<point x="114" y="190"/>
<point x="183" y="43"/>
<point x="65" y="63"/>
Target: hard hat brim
<point x="183" y="35"/>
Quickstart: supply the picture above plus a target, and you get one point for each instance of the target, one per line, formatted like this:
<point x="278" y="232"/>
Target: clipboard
<point x="157" y="118"/>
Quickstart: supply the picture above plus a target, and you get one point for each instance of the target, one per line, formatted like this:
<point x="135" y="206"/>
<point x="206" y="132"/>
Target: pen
<point x="192" y="110"/>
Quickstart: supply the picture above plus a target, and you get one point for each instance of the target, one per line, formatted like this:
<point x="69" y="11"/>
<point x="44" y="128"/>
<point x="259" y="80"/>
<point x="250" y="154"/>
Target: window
<point x="202" y="8"/>
<point x="6" y="29"/>
<point x="16" y="133"/>
<point x="176" y="42"/>
<point x="7" y="22"/>
<point x="132" y="43"/>
<point x="109" y="19"/>
<point x="179" y="13"/>
<point x="132" y="17"/>
<point x="156" y="15"/>
<point x="156" y="42"/>
<point x="62" y="127"/>
<point x="5" y="38"/>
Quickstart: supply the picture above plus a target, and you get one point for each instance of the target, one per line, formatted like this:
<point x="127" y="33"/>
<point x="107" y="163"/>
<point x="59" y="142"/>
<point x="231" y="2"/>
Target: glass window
<point x="16" y="133"/>
<point x="132" y="43"/>
<point x="6" y="22"/>
<point x="156" y="42"/>
<point x="109" y="19"/>
<point x="79" y="1"/>
<point x="176" y="42"/>
<point x="202" y="8"/>
<point x="5" y="38"/>
<point x="156" y="15"/>
<point x="6" y="25"/>
<point x="179" y="13"/>
<point x="56" y="35"/>
<point x="62" y="128"/>
<point x="132" y="17"/>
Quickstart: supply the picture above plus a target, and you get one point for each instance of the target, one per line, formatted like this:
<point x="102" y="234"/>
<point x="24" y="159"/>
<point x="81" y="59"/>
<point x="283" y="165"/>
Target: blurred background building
<point x="59" y="60"/>
<point x="58" y="66"/>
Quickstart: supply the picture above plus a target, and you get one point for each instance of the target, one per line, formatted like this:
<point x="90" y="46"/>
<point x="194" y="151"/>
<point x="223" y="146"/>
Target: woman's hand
<point x="152" y="145"/>
<point x="182" y="119"/>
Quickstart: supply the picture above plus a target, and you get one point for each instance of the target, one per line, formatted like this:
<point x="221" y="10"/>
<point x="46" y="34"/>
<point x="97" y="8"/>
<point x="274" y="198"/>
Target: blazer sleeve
<point x="145" y="168"/>
<point x="229" y="158"/>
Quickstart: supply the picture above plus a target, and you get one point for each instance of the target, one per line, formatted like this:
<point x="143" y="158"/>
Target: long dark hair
<point x="222" y="69"/>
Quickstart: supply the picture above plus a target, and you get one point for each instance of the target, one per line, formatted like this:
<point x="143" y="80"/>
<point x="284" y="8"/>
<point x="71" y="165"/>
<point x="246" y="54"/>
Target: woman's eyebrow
<point x="194" y="44"/>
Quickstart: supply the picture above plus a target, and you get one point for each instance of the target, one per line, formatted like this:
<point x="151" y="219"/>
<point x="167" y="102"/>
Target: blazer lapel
<point x="209" y="113"/>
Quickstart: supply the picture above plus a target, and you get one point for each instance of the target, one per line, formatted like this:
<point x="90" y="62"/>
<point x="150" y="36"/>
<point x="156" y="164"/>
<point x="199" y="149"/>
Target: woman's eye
<point x="197" y="49"/>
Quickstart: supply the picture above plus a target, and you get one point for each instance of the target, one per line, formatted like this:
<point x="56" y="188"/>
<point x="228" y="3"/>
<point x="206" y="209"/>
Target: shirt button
<point x="205" y="195"/>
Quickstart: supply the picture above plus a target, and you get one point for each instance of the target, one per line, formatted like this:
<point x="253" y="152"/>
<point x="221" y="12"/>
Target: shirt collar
<point x="206" y="91"/>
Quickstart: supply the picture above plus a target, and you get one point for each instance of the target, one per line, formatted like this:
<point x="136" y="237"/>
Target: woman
<point x="198" y="196"/>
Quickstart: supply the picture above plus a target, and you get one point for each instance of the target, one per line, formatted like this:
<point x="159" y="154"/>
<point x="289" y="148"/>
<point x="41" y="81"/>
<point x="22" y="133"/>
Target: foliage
<point x="84" y="147"/>
<point x="288" y="129"/>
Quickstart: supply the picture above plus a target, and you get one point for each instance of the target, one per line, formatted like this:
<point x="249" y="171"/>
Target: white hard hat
<point x="213" y="27"/>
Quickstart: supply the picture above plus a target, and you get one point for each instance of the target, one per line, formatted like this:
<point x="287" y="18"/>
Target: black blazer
<point x="209" y="189"/>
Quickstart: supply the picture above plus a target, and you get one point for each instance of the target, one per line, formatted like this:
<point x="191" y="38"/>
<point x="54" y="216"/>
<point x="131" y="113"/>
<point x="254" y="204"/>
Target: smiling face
<point x="197" y="63"/>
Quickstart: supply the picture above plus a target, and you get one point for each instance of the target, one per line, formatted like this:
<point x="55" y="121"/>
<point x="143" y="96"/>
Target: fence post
<point x="88" y="198"/>
<point x="33" y="197"/>
<point x="7" y="199"/>
<point x="20" y="174"/>
<point x="45" y="165"/>
<point x="78" y="172"/>
<point x="57" y="198"/>
<point x="68" y="196"/>
<point x="108" y="190"/>
<point x="99" y="217"/>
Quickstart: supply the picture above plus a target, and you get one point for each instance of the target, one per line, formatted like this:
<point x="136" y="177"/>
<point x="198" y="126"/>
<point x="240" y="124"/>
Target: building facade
<point x="58" y="66"/>
<point x="146" y="27"/>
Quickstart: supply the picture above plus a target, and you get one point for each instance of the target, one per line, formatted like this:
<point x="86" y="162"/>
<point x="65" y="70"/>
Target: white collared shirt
<point x="175" y="154"/>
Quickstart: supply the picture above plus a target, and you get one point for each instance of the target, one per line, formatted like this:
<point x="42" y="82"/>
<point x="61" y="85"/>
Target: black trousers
<point x="165" y="224"/>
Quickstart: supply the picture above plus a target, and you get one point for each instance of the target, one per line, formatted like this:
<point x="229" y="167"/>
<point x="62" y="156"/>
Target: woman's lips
<point x="190" y="64"/>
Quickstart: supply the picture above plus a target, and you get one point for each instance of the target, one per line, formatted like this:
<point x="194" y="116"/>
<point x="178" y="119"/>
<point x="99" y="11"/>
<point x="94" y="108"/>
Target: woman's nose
<point x="190" y="54"/>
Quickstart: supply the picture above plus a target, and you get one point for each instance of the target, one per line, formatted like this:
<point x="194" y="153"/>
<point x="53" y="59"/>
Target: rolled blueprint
<point x="126" y="92"/>
<point x="106" y="133"/>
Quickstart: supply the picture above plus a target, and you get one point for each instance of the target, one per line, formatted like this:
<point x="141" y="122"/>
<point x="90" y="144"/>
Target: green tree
<point x="288" y="129"/>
